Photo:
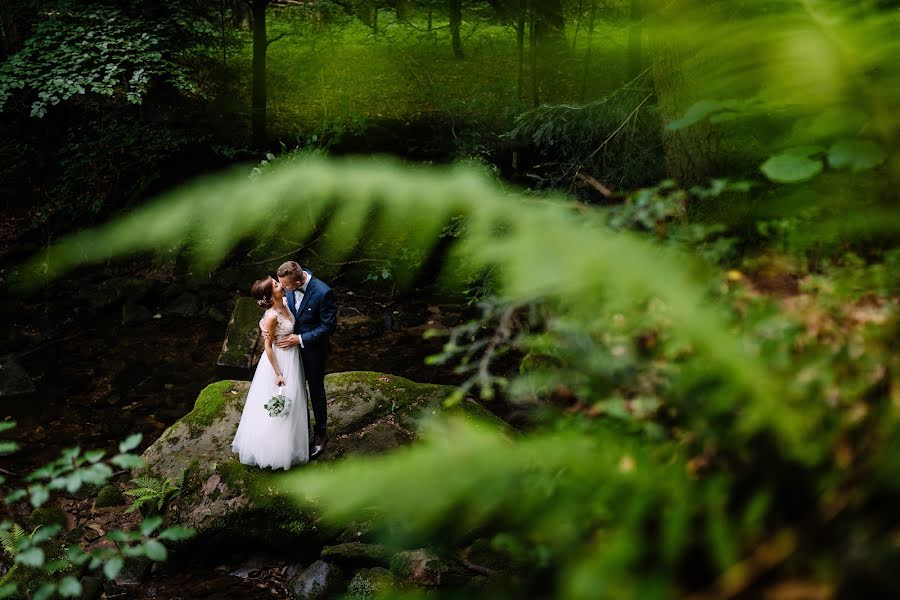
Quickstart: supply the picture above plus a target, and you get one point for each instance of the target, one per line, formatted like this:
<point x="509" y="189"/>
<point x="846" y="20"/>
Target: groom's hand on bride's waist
<point x="289" y="341"/>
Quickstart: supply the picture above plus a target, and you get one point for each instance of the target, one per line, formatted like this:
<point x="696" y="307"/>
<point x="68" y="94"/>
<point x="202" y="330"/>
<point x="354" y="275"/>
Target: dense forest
<point x="617" y="282"/>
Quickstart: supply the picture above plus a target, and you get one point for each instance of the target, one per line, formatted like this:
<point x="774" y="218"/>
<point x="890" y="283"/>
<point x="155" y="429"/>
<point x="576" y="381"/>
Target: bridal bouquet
<point x="278" y="405"/>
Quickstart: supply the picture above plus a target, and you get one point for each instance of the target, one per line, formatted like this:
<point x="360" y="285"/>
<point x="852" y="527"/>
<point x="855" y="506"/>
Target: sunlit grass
<point x="342" y="74"/>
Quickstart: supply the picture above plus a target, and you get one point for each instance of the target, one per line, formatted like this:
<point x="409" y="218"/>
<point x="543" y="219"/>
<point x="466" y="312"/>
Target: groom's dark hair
<point x="290" y="269"/>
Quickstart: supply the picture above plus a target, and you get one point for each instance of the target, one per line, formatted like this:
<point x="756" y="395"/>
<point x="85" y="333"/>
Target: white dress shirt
<point x="298" y="300"/>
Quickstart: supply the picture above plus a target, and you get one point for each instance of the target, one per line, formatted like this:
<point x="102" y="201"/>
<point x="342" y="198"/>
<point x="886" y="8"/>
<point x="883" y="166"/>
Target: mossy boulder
<point x="368" y="584"/>
<point x="420" y="567"/>
<point x="221" y="498"/>
<point x="47" y="515"/>
<point x="242" y="343"/>
<point x="358" y="553"/>
<point x="109" y="495"/>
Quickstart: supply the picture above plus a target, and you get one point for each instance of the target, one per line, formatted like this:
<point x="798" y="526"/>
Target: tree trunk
<point x="521" y="12"/>
<point x="590" y="51"/>
<point x="635" y="35"/>
<point x="258" y="96"/>
<point x="9" y="37"/>
<point x="577" y="25"/>
<point x="455" y="8"/>
<point x="548" y="18"/>
<point x="532" y="43"/>
<point x="693" y="153"/>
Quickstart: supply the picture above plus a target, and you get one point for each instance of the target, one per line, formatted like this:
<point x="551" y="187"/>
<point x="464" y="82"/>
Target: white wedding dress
<point x="275" y="442"/>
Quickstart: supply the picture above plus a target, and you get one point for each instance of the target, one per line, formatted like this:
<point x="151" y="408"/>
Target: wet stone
<point x="320" y="580"/>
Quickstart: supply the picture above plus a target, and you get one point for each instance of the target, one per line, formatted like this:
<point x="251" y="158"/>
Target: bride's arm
<point x="270" y="324"/>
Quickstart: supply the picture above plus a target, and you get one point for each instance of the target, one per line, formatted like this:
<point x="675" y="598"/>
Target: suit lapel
<point x="290" y="303"/>
<point x="306" y="296"/>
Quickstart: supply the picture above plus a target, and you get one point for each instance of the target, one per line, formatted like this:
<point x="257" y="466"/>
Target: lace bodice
<point x="284" y="325"/>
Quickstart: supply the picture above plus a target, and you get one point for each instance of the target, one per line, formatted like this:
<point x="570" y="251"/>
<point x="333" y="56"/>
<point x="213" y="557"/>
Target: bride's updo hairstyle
<point x="262" y="291"/>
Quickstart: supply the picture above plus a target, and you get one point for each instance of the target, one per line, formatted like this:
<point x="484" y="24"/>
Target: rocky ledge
<point x="226" y="501"/>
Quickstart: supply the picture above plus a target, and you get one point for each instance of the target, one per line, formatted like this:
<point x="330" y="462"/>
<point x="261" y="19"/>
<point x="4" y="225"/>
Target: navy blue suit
<point x="314" y="322"/>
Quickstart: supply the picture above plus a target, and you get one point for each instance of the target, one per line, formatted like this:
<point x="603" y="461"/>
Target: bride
<point x="282" y="441"/>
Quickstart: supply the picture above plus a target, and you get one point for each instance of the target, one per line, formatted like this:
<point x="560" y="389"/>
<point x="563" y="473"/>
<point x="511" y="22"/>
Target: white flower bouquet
<point x="278" y="405"/>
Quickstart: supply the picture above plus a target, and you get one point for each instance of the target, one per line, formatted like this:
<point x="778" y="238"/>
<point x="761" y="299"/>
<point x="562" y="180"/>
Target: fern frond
<point x="11" y="538"/>
<point x="584" y="266"/>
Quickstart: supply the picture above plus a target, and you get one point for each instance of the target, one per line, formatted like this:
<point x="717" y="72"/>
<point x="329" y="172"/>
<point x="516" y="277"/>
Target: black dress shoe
<point x="318" y="445"/>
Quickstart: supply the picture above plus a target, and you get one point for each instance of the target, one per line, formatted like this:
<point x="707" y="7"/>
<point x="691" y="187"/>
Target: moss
<point x="208" y="407"/>
<point x="109" y="495"/>
<point x="29" y="579"/>
<point x="242" y="335"/>
<point x="370" y="583"/>
<point x="357" y="552"/>
<point x="47" y="515"/>
<point x="472" y="410"/>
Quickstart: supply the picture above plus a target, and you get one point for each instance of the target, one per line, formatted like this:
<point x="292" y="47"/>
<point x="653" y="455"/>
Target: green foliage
<point x="152" y="495"/>
<point x="615" y="140"/>
<point x="99" y="50"/>
<point x="805" y="98"/>
<point x="599" y="265"/>
<point x="674" y="405"/>
<point x="43" y="564"/>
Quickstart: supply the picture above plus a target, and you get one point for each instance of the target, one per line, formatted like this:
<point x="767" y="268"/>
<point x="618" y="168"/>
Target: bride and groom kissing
<point x="300" y="315"/>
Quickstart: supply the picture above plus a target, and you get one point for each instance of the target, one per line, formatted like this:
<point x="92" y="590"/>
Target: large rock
<point x="242" y="345"/>
<point x="14" y="381"/>
<point x="420" y="567"/>
<point x="319" y="581"/>
<point x="368" y="412"/>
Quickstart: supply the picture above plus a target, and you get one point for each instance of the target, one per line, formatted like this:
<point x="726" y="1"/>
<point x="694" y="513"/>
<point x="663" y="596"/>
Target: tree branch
<point x="278" y="37"/>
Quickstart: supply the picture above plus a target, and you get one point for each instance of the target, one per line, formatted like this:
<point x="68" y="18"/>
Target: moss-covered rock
<point x="368" y="413"/>
<point x="109" y="495"/>
<point x="47" y="515"/>
<point x="242" y="347"/>
<point x="358" y="553"/>
<point x="368" y="584"/>
<point x="420" y="567"/>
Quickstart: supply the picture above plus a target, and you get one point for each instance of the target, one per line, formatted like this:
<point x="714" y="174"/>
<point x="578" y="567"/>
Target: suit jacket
<point x="316" y="319"/>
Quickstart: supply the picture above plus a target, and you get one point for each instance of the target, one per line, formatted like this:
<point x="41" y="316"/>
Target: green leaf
<point x="76" y="555"/>
<point x="7" y="425"/>
<point x="96" y="474"/>
<point x="176" y="534"/>
<point x="32" y="557"/>
<point x="791" y="168"/>
<point x="856" y="155"/>
<point x="127" y="461"/>
<point x="150" y="524"/>
<point x="112" y="567"/>
<point x="130" y="443"/>
<point x="7" y="590"/>
<point x="15" y="496"/>
<point x="155" y="550"/>
<point x="55" y="566"/>
<point x="8" y="448"/>
<point x="45" y="591"/>
<point x="39" y="495"/>
<point x="69" y="587"/>
<point x="94" y="455"/>
<point x="45" y="532"/>
<point x="117" y="535"/>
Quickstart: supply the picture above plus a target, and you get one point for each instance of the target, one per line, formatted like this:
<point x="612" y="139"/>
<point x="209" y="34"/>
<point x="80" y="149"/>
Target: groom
<point x="315" y="318"/>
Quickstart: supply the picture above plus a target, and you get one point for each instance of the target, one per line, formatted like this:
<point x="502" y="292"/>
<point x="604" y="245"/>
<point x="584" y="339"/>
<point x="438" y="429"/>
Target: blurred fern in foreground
<point x="709" y="447"/>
